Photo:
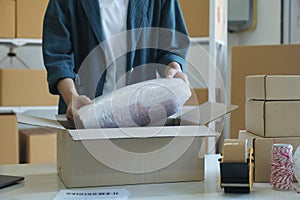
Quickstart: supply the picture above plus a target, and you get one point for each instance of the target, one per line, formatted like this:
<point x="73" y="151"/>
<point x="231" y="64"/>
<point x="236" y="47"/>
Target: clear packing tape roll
<point x="142" y="104"/>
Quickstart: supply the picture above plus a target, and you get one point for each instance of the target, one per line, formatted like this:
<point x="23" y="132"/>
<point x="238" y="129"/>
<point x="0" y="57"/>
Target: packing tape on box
<point x="235" y="150"/>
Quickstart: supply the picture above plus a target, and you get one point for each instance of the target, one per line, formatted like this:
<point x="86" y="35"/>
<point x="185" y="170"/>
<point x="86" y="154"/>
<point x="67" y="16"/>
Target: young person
<point x="74" y="28"/>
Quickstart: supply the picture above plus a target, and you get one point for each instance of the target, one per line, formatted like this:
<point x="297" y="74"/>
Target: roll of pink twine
<point x="281" y="176"/>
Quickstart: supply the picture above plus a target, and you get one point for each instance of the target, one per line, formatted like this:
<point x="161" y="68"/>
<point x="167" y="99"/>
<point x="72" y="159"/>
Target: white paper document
<point x="112" y="194"/>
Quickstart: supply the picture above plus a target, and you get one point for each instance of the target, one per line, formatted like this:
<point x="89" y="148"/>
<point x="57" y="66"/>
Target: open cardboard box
<point x="117" y="156"/>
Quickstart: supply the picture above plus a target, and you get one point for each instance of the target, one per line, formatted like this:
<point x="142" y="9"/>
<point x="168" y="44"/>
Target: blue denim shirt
<point x="72" y="29"/>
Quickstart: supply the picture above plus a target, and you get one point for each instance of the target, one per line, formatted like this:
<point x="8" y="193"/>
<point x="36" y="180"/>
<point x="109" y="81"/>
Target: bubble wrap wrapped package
<point x="141" y="104"/>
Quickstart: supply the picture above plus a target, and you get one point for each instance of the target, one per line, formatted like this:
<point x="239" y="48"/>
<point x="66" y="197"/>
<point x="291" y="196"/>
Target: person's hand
<point x="74" y="105"/>
<point x="74" y="101"/>
<point x="173" y="70"/>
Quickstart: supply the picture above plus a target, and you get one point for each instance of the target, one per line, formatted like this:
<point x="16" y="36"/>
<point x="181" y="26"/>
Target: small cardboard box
<point x="273" y="87"/>
<point x="117" y="156"/>
<point x="7" y="18"/>
<point x="273" y="118"/>
<point x="38" y="145"/>
<point x="20" y="19"/>
<point x="25" y="87"/>
<point x="9" y="139"/>
<point x="262" y="153"/>
<point x="29" y="18"/>
<point x="253" y="60"/>
<point x="196" y="15"/>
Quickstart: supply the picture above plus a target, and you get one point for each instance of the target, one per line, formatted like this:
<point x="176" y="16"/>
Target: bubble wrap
<point x="141" y="104"/>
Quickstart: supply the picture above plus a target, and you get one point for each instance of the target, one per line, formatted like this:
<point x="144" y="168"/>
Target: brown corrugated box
<point x="262" y="153"/>
<point x="38" y="145"/>
<point x="196" y="16"/>
<point x="22" y="18"/>
<point x="253" y="60"/>
<point x="132" y="155"/>
<point x="7" y="18"/>
<point x="81" y="164"/>
<point x="199" y="96"/>
<point x="273" y="87"/>
<point x="9" y="139"/>
<point x="25" y="87"/>
<point x="30" y="16"/>
<point x="273" y="118"/>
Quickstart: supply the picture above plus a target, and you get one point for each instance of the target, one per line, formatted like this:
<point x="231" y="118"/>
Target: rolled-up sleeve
<point x="57" y="47"/>
<point x="176" y="40"/>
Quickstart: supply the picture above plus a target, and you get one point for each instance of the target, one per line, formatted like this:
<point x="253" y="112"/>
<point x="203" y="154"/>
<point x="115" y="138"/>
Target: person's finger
<point x="81" y="101"/>
<point x="69" y="114"/>
<point x="170" y="72"/>
<point x="182" y="76"/>
<point x="77" y="103"/>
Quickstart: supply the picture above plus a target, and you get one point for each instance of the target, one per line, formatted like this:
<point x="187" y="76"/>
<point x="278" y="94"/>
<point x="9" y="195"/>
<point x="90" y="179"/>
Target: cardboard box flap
<point x="209" y="112"/>
<point x="7" y="112"/>
<point x="255" y="87"/>
<point x="38" y="121"/>
<point x="205" y="113"/>
<point x="143" y="132"/>
<point x="128" y="132"/>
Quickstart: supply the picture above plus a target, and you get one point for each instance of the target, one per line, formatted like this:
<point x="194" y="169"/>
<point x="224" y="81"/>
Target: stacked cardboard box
<point x="9" y="139"/>
<point x="271" y="116"/>
<point x="20" y="19"/>
<point x="196" y="16"/>
<point x="7" y="18"/>
<point x="38" y="145"/>
<point x="253" y="60"/>
<point x="19" y="88"/>
<point x="25" y="87"/>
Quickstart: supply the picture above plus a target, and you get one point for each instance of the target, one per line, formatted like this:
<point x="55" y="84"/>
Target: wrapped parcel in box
<point x="141" y="104"/>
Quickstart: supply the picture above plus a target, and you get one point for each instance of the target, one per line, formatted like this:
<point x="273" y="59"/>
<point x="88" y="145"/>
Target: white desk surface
<point x="41" y="182"/>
